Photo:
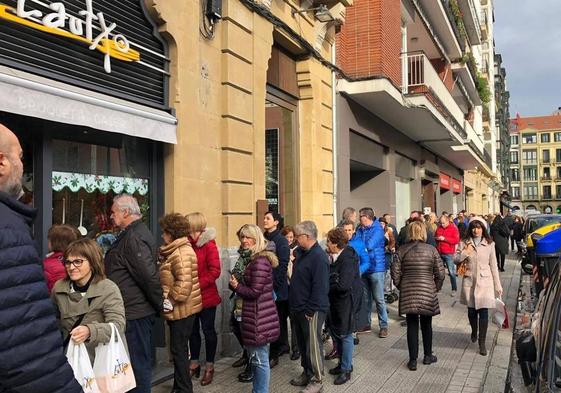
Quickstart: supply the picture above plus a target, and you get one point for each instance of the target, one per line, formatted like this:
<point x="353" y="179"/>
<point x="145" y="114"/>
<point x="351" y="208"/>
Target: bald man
<point x="31" y="353"/>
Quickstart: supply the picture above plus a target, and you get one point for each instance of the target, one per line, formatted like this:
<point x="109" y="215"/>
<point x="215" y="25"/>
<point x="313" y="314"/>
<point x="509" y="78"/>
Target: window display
<point x="86" y="177"/>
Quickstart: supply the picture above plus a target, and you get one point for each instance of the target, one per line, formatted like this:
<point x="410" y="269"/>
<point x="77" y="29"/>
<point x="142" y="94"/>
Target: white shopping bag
<point x="112" y="366"/>
<point x="77" y="356"/>
<point x="500" y="313"/>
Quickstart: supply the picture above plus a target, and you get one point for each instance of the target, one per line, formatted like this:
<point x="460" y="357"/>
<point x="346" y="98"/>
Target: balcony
<point x="471" y="21"/>
<point x="546" y="178"/>
<point x="530" y="162"/>
<point x="424" y="110"/>
<point x="441" y="23"/>
<point x="546" y="197"/>
<point x="484" y="23"/>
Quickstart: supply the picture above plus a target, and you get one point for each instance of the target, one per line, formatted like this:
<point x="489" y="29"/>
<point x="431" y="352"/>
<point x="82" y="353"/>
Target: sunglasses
<point x="76" y="262"/>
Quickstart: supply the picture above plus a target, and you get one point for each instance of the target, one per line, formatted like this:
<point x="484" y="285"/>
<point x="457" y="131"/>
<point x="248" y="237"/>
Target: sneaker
<point x="301" y="380"/>
<point x="383" y="333"/>
<point x="429" y="359"/>
<point x="313" y="387"/>
<point x="364" y="329"/>
<point x="453" y="294"/>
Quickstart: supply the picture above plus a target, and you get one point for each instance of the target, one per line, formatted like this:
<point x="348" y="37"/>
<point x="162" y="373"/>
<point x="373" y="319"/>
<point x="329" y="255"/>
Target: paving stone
<point x="380" y="364"/>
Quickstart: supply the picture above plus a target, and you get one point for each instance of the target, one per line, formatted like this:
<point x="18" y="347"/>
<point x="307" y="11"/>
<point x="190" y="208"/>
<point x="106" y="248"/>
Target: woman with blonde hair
<point x="418" y="273"/>
<point x="182" y="295"/>
<point x="86" y="300"/>
<point x="208" y="263"/>
<point x="259" y="325"/>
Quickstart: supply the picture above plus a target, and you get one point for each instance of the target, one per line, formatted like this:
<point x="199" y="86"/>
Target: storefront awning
<point x="29" y="95"/>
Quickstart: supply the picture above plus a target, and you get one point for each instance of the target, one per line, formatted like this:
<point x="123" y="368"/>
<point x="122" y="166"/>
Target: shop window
<point x="281" y="158"/>
<point x="86" y="177"/>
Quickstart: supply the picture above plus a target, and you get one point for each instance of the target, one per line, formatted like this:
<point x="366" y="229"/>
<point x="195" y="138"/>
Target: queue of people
<point x="282" y="278"/>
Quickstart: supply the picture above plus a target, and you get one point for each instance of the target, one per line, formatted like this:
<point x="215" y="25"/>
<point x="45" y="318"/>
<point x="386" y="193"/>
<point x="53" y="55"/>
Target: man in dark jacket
<point x="309" y="303"/>
<point x="131" y="264"/>
<point x="272" y="224"/>
<point x="31" y="352"/>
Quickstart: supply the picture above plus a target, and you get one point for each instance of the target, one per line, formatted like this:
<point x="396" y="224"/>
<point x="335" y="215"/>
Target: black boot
<point x="247" y="374"/>
<point x="483" y="324"/>
<point x="473" y="324"/>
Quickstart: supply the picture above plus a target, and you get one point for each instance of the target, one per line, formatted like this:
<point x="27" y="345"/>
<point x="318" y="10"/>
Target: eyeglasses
<point x="76" y="262"/>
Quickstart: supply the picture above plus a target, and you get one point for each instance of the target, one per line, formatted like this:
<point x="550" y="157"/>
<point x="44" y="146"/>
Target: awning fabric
<point x="29" y="95"/>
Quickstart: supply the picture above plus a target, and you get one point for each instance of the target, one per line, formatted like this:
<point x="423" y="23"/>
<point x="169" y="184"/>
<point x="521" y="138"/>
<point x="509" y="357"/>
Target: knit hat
<point x="480" y="219"/>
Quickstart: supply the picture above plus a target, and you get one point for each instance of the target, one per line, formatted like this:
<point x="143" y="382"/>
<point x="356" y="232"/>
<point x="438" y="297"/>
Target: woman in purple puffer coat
<point x="260" y="322"/>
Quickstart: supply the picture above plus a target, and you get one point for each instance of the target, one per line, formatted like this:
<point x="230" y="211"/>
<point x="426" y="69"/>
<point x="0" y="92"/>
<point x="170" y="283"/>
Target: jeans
<point x="139" y="341"/>
<point x="345" y="346"/>
<point x="179" y="332"/>
<point x="308" y="334"/>
<point x="413" y="334"/>
<point x="205" y="319"/>
<point x="374" y="289"/>
<point x="448" y="260"/>
<point x="259" y="360"/>
<point x="281" y="345"/>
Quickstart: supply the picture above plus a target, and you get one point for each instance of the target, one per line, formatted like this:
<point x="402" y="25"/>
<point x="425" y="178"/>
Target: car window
<point x="538" y="222"/>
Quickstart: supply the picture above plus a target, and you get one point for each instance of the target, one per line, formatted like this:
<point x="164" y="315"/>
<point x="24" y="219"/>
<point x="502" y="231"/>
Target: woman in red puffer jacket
<point x="208" y="263"/>
<point x="59" y="236"/>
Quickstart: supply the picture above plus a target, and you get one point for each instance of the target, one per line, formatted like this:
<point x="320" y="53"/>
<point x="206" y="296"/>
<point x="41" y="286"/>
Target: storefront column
<point x="316" y="144"/>
<point x="42" y="179"/>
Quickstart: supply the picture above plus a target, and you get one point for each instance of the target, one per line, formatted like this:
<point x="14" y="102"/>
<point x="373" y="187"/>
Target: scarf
<point x="476" y="240"/>
<point x="242" y="262"/>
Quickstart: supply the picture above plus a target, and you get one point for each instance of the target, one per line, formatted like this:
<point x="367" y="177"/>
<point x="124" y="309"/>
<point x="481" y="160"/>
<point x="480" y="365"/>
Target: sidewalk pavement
<point x="380" y="364"/>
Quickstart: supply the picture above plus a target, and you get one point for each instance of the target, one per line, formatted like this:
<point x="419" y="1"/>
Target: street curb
<point x="495" y="379"/>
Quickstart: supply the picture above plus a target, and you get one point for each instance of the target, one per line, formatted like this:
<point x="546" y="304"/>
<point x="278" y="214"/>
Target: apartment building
<point x="535" y="163"/>
<point x="410" y="106"/>
<point x="502" y="127"/>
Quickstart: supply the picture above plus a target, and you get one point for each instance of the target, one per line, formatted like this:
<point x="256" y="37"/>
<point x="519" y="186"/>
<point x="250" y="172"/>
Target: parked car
<point x="540" y="358"/>
<point x="536" y="221"/>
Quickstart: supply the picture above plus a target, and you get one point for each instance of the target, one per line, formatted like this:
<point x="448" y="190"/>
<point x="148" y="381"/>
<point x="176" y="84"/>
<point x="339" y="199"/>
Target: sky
<point x="528" y="36"/>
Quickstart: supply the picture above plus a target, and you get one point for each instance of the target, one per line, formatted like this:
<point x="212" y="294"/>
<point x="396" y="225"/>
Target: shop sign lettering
<point x="88" y="27"/>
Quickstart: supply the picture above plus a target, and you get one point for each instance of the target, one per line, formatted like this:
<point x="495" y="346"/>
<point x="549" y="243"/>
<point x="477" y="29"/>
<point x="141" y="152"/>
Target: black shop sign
<point x="107" y="46"/>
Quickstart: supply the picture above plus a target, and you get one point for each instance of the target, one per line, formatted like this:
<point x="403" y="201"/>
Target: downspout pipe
<point x="334" y="131"/>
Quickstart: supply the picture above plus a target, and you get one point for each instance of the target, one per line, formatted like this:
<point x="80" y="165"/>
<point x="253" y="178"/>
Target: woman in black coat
<point x="500" y="234"/>
<point x="517" y="228"/>
<point x="418" y="273"/>
<point x="345" y="290"/>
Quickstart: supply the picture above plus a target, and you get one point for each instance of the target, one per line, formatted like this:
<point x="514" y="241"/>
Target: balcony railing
<point x="423" y="78"/>
<point x="530" y="162"/>
<point x="546" y="197"/>
<point x="546" y="178"/>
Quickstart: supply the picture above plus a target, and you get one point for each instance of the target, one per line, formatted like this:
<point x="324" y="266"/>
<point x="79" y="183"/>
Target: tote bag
<point x="112" y="366"/>
<point x="79" y="360"/>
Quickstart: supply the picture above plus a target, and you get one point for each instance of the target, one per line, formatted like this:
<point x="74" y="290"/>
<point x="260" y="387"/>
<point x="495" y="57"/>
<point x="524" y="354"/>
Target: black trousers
<point x="308" y="335"/>
<point x="180" y="331"/>
<point x="413" y="334"/>
<point x="500" y="259"/>
<point x="205" y="319"/>
<point x="511" y="243"/>
<point x="281" y="344"/>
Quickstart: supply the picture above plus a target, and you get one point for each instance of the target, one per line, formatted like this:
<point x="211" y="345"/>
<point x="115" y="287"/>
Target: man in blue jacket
<point x="372" y="234"/>
<point x="31" y="352"/>
<point x="309" y="303"/>
<point x="357" y="244"/>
